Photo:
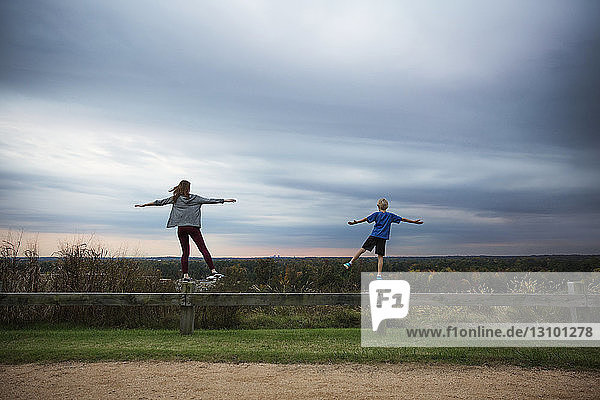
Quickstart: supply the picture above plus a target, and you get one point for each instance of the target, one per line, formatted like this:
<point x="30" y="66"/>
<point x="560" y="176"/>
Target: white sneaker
<point x="214" y="275"/>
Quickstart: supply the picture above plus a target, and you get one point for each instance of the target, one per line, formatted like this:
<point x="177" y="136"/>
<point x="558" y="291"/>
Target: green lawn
<point x="50" y="344"/>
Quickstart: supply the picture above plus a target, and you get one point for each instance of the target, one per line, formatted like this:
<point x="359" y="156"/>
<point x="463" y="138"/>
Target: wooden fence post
<point x="186" y="322"/>
<point x="574" y="288"/>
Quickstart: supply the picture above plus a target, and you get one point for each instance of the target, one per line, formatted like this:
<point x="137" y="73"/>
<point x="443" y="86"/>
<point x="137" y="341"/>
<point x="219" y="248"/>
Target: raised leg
<point x="199" y="240"/>
<point x="358" y="254"/>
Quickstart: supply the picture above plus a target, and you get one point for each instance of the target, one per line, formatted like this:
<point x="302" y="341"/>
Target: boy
<point x="381" y="233"/>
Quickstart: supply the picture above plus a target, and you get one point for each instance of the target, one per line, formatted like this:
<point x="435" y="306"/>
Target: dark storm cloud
<point x="476" y="200"/>
<point x="106" y="48"/>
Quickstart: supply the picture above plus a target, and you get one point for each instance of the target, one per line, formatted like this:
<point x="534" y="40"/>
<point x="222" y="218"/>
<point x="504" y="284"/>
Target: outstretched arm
<point x="144" y="205"/>
<point x="168" y="200"/>
<point x="357" y="222"/>
<point x="204" y="200"/>
<point x="416" y="221"/>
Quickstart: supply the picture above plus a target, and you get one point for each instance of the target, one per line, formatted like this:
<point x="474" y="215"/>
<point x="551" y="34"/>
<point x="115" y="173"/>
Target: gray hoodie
<point x="186" y="210"/>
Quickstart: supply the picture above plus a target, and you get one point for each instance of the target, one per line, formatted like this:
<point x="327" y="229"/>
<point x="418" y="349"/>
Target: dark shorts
<point x="376" y="242"/>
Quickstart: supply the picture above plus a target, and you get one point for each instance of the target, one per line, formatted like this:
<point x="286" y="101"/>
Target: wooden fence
<point x="187" y="299"/>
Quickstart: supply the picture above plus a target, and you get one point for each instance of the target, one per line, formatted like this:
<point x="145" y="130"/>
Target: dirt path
<point x="198" y="380"/>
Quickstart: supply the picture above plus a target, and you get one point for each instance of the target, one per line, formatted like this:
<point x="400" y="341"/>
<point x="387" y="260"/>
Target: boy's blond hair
<point x="382" y="204"/>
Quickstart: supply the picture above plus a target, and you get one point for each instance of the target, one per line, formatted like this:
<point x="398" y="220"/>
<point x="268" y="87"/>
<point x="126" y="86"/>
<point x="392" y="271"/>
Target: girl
<point x="185" y="215"/>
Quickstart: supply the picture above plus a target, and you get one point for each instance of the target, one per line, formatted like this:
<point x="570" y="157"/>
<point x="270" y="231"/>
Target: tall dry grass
<point x="81" y="268"/>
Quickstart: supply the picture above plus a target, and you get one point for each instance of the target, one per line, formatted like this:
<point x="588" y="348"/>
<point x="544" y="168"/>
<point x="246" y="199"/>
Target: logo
<point x="389" y="300"/>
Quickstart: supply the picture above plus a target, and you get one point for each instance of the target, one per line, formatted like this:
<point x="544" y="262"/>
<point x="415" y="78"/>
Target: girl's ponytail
<point x="182" y="189"/>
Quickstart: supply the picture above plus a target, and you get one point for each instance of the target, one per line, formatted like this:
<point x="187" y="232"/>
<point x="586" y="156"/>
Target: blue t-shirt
<point x="383" y="221"/>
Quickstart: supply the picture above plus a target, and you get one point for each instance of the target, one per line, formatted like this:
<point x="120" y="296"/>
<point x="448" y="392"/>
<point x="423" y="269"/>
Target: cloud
<point x="471" y="116"/>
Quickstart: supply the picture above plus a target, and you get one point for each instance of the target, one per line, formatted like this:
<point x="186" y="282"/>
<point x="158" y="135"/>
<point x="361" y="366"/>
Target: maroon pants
<point x="183" y="232"/>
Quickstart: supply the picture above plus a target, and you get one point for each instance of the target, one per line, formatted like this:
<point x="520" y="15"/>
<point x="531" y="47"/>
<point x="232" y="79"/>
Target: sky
<point x="481" y="118"/>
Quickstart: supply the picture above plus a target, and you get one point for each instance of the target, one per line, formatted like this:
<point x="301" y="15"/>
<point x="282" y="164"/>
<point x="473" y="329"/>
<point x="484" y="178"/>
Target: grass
<point x="54" y="344"/>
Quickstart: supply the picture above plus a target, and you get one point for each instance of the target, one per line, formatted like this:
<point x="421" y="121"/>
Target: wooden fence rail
<point x="290" y="299"/>
<point x="90" y="299"/>
<point x="187" y="299"/>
